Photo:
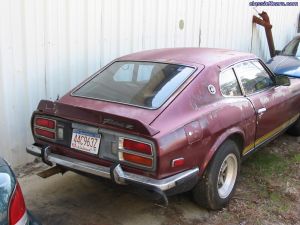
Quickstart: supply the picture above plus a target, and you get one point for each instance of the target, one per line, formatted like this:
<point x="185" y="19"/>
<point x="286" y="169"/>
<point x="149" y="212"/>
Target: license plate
<point x="85" y="141"/>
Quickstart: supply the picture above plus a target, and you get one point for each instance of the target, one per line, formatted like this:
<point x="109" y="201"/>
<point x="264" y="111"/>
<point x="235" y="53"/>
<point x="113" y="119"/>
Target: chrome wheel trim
<point x="227" y="175"/>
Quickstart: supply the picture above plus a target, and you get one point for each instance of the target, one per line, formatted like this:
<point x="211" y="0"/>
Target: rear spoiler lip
<point x="105" y="119"/>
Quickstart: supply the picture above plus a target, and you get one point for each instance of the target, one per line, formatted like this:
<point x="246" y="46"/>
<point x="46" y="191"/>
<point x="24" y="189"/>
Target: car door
<point x="270" y="102"/>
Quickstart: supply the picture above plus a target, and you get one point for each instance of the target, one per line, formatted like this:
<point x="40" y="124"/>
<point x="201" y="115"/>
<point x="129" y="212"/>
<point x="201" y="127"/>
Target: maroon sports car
<point x="169" y="120"/>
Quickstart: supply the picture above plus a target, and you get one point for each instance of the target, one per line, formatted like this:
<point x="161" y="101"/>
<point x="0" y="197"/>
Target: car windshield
<point x="144" y="84"/>
<point x="292" y="48"/>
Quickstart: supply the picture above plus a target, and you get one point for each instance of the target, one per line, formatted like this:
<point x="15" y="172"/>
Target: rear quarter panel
<point x="198" y="122"/>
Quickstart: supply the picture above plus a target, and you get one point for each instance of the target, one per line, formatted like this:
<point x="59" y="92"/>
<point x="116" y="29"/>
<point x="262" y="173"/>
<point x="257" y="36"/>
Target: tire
<point x="294" y="130"/>
<point x="210" y="193"/>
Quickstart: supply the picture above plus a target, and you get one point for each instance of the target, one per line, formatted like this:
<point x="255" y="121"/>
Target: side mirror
<point x="277" y="52"/>
<point x="282" y="80"/>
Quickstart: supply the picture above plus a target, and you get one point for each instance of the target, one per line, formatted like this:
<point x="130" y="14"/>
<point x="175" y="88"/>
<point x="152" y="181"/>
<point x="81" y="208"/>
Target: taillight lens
<point x="45" y="133"/>
<point x="45" y="128"/>
<point x="42" y="122"/>
<point x="137" y="159"/>
<point x="17" y="208"/>
<point x="136" y="146"/>
<point x="136" y="152"/>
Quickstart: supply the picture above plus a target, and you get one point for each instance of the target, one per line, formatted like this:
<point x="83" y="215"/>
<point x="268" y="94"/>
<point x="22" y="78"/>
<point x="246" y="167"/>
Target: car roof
<point x="190" y="56"/>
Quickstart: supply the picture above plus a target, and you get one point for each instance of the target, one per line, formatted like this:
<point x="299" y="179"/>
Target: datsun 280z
<point x="169" y="121"/>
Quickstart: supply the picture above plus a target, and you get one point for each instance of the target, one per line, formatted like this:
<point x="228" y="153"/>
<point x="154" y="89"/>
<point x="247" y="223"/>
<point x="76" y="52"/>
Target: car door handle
<point x="262" y="110"/>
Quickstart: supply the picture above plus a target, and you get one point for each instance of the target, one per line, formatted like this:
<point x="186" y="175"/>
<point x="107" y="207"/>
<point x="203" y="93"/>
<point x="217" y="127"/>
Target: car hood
<point x="2" y="162"/>
<point x="7" y="184"/>
<point x="285" y="65"/>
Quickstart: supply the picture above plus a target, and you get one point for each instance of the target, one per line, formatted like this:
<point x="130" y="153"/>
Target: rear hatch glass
<point x="143" y="84"/>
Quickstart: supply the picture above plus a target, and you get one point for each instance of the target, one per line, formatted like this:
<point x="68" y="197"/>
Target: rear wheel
<point x="295" y="129"/>
<point x="217" y="186"/>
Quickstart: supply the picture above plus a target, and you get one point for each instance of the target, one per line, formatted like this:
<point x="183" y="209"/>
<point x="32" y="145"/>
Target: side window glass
<point x="124" y="73"/>
<point x="253" y="76"/>
<point x="229" y="84"/>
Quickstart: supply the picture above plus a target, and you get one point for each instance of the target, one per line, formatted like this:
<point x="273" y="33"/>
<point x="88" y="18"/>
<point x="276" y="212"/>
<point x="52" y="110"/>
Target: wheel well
<point x="239" y="140"/>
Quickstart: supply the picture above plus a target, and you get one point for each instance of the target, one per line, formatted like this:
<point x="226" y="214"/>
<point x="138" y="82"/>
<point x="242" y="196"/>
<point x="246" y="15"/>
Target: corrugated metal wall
<point x="49" y="46"/>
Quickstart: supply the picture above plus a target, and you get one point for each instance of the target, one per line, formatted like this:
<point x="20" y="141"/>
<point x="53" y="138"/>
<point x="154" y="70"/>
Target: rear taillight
<point x="45" y="128"/>
<point x="137" y="159"/>
<point x="136" y="146"/>
<point x="42" y="122"/>
<point x="17" y="208"/>
<point x="45" y="133"/>
<point x="136" y="152"/>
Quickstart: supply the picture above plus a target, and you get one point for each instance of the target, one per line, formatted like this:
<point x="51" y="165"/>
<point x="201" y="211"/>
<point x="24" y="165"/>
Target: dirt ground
<point x="268" y="193"/>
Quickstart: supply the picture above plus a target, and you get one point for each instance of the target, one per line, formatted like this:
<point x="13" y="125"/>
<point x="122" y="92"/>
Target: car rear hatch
<point x="127" y="95"/>
<point x="113" y="110"/>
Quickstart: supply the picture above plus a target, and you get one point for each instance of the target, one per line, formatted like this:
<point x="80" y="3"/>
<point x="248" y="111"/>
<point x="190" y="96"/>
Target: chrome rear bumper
<point x="115" y="173"/>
